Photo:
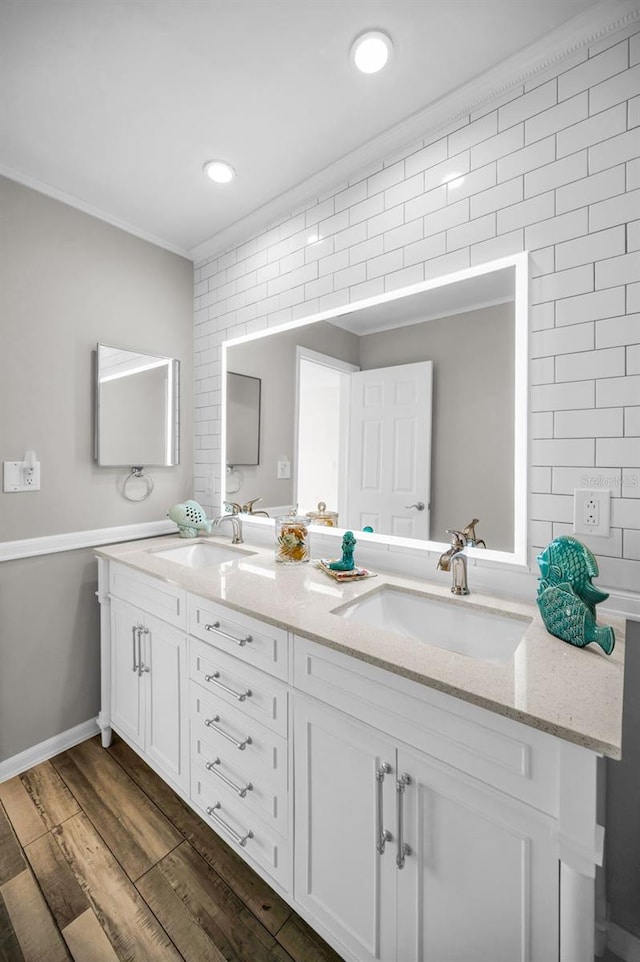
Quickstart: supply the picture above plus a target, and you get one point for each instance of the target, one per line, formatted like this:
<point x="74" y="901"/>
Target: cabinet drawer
<point x="158" y="597"/>
<point x="232" y="821"/>
<point x="504" y="753"/>
<point x="223" y="768"/>
<point x="259" y="697"/>
<point x="263" y="756"/>
<point x="255" y="642"/>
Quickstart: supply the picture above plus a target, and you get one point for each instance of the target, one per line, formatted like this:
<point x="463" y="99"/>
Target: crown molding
<point x="85" y="208"/>
<point x="593" y="25"/>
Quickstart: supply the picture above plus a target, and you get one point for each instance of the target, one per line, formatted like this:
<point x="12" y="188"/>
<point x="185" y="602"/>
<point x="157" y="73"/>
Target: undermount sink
<point x="454" y="625"/>
<point x="200" y="554"/>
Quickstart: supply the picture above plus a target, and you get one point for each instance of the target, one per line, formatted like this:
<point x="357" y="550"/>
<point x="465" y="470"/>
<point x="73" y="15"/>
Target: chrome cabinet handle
<point x="403" y="848"/>
<point x="215" y="626"/>
<point x="419" y="505"/>
<point x="211" y="766"/>
<point x="383" y="835"/>
<point x="240" y="695"/>
<point x="209" y="722"/>
<point x="141" y="666"/>
<point x="134" y="637"/>
<point x="240" y="839"/>
<point x="139" y="634"/>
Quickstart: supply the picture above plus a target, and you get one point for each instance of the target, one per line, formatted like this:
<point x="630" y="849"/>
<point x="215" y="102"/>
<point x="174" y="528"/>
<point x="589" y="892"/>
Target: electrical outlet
<point x="21" y="476"/>
<point x="592" y="512"/>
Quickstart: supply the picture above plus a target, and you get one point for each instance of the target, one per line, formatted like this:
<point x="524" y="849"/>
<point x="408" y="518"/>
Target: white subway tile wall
<point x="553" y="168"/>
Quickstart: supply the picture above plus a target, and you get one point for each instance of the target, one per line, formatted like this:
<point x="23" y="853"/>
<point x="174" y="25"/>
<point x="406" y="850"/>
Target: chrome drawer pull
<point x="239" y="695"/>
<point x="383" y="835"/>
<point x="209" y="722"/>
<point x="403" y="848"/>
<point x="216" y="627"/>
<point x="211" y="766"/>
<point x="240" y="839"/>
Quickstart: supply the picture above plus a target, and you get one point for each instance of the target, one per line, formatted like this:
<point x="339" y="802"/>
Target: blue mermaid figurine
<point x="346" y="562"/>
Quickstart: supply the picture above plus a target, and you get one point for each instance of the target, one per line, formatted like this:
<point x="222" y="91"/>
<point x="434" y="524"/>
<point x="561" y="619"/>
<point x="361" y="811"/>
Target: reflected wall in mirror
<point x="137" y="408"/>
<point x="243" y="412"/>
<point x="406" y="412"/>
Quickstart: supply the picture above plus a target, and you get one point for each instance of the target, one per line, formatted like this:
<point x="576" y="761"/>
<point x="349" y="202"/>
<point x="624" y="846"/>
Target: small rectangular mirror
<point x="243" y="419"/>
<point x="137" y="408"/>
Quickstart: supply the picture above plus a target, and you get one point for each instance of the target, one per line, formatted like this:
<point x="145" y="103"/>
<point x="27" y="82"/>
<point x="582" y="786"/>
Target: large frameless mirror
<point x="405" y="413"/>
<point x="137" y="408"/>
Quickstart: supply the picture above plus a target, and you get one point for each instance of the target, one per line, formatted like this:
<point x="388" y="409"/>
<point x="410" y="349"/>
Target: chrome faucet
<point x="236" y="525"/>
<point x="455" y="560"/>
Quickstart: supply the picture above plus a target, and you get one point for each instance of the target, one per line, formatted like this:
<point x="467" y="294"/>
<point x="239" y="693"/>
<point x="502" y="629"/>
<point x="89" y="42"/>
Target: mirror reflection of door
<point x="389" y="462"/>
<point x="364" y="443"/>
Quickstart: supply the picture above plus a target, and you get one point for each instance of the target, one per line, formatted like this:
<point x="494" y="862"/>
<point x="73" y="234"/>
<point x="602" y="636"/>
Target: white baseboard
<point x="623" y="943"/>
<point x="47" y="749"/>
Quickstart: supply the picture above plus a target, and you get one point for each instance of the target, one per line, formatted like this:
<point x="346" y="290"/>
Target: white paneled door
<point x="390" y="450"/>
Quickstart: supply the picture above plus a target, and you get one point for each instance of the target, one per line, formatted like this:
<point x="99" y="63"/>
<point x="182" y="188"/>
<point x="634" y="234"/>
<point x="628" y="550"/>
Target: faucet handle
<point x="457" y="538"/>
<point x="469" y="534"/>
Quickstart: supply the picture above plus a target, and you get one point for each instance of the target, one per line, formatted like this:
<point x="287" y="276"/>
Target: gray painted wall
<point x="68" y="281"/>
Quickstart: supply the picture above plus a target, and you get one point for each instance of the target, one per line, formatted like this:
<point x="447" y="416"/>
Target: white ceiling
<point x="114" y="105"/>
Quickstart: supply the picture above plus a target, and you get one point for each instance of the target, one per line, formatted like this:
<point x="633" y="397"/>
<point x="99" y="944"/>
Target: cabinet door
<point x="340" y="878"/>
<point x="481" y="881"/>
<point x="126" y="701"/>
<point x="166" y="708"/>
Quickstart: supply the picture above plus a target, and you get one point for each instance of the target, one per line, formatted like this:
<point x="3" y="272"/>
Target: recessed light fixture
<point x="453" y="179"/>
<point x="371" y="51"/>
<point x="219" y="171"/>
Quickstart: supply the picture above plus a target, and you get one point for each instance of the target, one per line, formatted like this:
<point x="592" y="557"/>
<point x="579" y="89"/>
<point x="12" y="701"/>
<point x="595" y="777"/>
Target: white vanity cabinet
<point x="480" y="878"/>
<point x="148" y="669"/>
<point x="239" y="732"/>
<point x="427" y="829"/>
<point x="402" y="823"/>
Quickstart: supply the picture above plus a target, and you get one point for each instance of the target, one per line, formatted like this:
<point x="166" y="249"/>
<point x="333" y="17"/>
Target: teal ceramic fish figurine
<point x="190" y="519"/>
<point x="566" y="596"/>
<point x="346" y="562"/>
<point x="568" y="560"/>
<point x="567" y="617"/>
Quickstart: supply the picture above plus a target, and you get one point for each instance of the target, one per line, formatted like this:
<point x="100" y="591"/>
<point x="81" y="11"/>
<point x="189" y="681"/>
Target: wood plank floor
<point x="100" y="861"/>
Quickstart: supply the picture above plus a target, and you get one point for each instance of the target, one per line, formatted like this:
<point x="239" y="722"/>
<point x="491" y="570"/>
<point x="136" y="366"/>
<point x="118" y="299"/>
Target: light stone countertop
<point x="574" y="693"/>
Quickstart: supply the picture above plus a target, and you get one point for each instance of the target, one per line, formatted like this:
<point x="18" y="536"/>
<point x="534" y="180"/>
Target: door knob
<point x="419" y="506"/>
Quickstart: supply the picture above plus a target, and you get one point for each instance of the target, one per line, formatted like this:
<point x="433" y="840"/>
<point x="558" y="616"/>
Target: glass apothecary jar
<point x="292" y="538"/>
<point x="328" y="518"/>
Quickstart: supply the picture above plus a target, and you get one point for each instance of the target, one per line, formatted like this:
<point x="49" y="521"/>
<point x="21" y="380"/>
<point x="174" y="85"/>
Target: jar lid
<point x="322" y="515"/>
<point x="293" y="517"/>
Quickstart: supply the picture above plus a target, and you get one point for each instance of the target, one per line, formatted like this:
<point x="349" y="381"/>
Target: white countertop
<point x="574" y="693"/>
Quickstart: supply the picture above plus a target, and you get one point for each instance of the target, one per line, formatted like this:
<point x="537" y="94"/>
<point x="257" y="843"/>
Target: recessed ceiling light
<point x="219" y="171"/>
<point x="453" y="179"/>
<point x="371" y="51"/>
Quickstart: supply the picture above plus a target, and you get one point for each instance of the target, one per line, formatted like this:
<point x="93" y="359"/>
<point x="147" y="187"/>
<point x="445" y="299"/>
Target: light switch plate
<point x="18" y="477"/>
<point x="283" y="469"/>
